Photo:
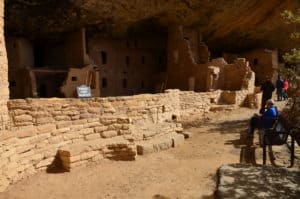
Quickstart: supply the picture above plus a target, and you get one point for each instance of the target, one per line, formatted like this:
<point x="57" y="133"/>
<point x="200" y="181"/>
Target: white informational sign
<point x="84" y="91"/>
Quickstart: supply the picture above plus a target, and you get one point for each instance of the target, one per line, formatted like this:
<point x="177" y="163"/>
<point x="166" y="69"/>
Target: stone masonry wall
<point x="182" y="64"/>
<point x="78" y="131"/>
<point x="4" y="93"/>
<point x="197" y="103"/>
<point x="89" y="129"/>
<point x="37" y="112"/>
<point x="128" y="66"/>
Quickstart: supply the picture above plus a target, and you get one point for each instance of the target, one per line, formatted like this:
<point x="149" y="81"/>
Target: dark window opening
<point x="14" y="45"/>
<point x="162" y="66"/>
<point x="127" y="61"/>
<point x="124" y="83"/>
<point x="186" y="38"/>
<point x="86" y="43"/>
<point x="104" y="83"/>
<point x="12" y="83"/>
<point x="127" y="44"/>
<point x="38" y="56"/>
<point x="174" y="117"/>
<point x="255" y="61"/>
<point x="159" y="60"/>
<point x="135" y="43"/>
<point x="42" y="90"/>
<point x="143" y="59"/>
<point x="103" y="57"/>
<point x="142" y="84"/>
<point x="74" y="78"/>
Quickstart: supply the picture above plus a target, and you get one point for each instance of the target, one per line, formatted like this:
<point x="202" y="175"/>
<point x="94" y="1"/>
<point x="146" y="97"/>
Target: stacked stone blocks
<point x="79" y="131"/>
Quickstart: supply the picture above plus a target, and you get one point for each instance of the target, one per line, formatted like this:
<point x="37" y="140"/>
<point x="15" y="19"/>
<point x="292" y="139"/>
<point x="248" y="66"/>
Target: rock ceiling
<point x="227" y="25"/>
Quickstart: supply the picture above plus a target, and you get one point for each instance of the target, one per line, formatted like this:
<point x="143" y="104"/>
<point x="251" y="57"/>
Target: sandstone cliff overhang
<point x="226" y="25"/>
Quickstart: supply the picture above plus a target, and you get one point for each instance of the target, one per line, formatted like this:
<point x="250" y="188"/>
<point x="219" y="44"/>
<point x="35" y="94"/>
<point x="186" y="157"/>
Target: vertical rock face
<point x="4" y="94"/>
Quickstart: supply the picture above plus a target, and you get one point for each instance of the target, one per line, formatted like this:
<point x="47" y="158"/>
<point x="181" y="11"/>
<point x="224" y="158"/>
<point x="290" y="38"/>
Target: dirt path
<point x="188" y="171"/>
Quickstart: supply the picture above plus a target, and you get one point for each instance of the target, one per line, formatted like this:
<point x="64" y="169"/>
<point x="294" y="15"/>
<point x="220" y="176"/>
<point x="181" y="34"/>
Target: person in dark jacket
<point x="279" y="88"/>
<point x="267" y="89"/>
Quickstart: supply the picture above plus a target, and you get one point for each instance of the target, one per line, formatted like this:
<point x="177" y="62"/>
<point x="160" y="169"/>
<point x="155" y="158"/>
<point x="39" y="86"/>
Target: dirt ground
<point x="188" y="171"/>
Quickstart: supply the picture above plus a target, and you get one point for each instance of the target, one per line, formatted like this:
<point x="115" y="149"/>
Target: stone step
<point x="186" y="134"/>
<point x="91" y="151"/>
<point x="219" y="107"/>
<point x="159" y="144"/>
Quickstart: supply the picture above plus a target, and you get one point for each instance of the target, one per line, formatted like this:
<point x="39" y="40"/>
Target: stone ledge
<point x="159" y="144"/>
<point x="94" y="150"/>
<point x="247" y="181"/>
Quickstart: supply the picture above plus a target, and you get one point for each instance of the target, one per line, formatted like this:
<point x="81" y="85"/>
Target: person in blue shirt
<point x="266" y="120"/>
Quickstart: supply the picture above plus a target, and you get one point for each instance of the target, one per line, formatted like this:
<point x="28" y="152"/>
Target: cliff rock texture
<point x="226" y="25"/>
<point x="4" y="73"/>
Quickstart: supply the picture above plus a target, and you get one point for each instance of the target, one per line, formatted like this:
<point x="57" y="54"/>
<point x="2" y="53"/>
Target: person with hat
<point x="266" y="120"/>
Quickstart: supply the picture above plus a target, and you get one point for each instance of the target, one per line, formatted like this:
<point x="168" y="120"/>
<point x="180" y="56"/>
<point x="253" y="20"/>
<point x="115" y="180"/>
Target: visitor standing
<point x="279" y="88"/>
<point x="267" y="89"/>
<point x="285" y="88"/>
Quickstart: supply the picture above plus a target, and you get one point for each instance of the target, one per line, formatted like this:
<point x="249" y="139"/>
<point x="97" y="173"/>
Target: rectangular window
<point x="135" y="44"/>
<point x="124" y="83"/>
<point x="143" y="59"/>
<point x="103" y="57"/>
<point x="74" y="78"/>
<point x="127" y="61"/>
<point x="12" y="83"/>
<point x="159" y="60"/>
<point x="104" y="83"/>
<point x="255" y="61"/>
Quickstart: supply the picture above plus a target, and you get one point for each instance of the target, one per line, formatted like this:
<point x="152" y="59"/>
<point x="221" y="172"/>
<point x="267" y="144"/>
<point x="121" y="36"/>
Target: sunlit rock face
<point x="226" y="25"/>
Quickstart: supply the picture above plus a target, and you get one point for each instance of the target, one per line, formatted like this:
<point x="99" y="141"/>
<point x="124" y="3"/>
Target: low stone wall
<point x="197" y="103"/>
<point x="78" y="131"/>
<point x="66" y="112"/>
<point x="200" y="103"/>
<point x="28" y="150"/>
<point x="91" y="129"/>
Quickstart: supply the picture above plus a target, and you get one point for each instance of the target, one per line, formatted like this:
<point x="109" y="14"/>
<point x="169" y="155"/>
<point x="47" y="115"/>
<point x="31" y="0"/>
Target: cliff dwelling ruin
<point x="148" y="65"/>
<point x="173" y="57"/>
